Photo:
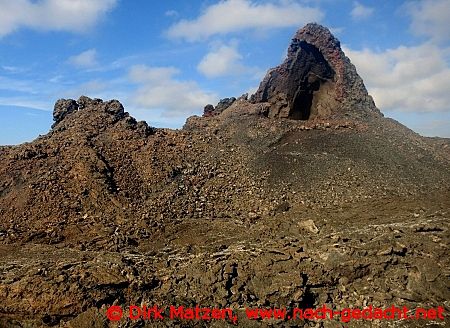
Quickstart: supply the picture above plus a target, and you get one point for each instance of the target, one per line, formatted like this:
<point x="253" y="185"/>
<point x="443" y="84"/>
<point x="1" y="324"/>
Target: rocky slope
<point x="300" y="196"/>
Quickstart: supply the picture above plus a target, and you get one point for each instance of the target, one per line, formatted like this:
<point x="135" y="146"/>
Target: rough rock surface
<point x="235" y="210"/>
<point x="223" y="104"/>
<point x="63" y="107"/>
<point x="316" y="80"/>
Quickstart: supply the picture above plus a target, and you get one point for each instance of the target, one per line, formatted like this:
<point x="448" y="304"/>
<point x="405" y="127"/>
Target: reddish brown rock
<point x="316" y="80"/>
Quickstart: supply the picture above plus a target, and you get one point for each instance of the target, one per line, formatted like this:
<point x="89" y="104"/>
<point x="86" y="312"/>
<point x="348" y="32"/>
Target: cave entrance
<point x="303" y="101"/>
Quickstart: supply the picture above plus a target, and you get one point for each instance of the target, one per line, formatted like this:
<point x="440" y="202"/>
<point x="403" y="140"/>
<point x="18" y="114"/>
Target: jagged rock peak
<point x="64" y="107"/>
<point x="95" y="113"/>
<point x="316" y="80"/>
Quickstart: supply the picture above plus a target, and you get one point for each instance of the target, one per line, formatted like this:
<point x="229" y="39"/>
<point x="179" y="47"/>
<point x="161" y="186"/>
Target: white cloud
<point x="86" y="59"/>
<point x="18" y="85"/>
<point x="29" y="102"/>
<point x="13" y="69"/>
<point x="171" y="13"/>
<point x="93" y="88"/>
<point x="360" y="11"/>
<point x="430" y="18"/>
<point x="409" y="79"/>
<point x="68" y="15"/>
<point x="159" y="89"/>
<point x="224" y="60"/>
<point x="237" y="15"/>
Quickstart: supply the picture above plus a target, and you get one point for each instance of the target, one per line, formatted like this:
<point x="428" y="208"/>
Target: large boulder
<point x="62" y="108"/>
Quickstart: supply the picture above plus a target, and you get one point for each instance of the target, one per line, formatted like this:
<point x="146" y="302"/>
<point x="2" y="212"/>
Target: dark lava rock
<point x="316" y="80"/>
<point x="223" y="104"/>
<point x="208" y="110"/>
<point x="63" y="107"/>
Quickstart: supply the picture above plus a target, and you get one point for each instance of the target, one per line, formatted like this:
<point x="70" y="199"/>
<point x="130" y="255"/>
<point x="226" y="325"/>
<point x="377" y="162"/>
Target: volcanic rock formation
<point x="316" y="80"/>
<point x="242" y="208"/>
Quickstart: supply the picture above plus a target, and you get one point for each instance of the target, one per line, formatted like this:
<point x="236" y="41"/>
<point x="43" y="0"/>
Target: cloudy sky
<point x="165" y="60"/>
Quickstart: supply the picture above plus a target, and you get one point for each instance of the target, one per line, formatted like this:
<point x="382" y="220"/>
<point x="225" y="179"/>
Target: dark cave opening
<point x="301" y="109"/>
<point x="303" y="101"/>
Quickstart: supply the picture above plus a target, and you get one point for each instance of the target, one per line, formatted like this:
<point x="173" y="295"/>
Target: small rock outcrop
<point x="208" y="110"/>
<point x="223" y="104"/>
<point x="96" y="113"/>
<point x="62" y="108"/>
<point x="316" y="80"/>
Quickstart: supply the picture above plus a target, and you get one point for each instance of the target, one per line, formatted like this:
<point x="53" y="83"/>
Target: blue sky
<point x="165" y="60"/>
